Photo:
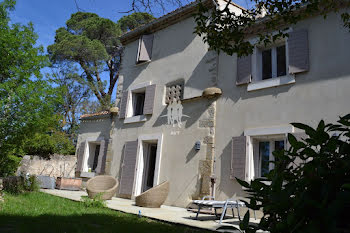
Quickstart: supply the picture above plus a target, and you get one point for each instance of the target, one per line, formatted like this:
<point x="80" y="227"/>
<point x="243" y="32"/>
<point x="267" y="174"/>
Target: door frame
<point x="142" y="139"/>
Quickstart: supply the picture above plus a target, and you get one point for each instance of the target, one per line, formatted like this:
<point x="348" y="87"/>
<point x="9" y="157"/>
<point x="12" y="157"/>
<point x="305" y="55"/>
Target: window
<point x="274" y="62"/>
<point x="266" y="148"/>
<point x="138" y="100"/>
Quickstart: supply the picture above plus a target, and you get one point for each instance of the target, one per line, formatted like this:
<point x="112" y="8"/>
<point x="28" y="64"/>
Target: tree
<point x="28" y="103"/>
<point x="312" y="195"/>
<point x="130" y="22"/>
<point x="92" y="42"/>
<point x="74" y="94"/>
<point x="151" y="5"/>
<point x="219" y="27"/>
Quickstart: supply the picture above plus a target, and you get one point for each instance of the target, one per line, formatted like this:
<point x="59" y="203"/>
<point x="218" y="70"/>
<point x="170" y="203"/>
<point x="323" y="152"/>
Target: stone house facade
<point x="197" y="119"/>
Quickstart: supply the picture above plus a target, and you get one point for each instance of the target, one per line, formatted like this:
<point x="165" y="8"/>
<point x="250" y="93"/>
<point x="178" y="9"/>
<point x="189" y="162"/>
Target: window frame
<point x="129" y="114"/>
<point x="271" y="140"/>
<point x="257" y="82"/>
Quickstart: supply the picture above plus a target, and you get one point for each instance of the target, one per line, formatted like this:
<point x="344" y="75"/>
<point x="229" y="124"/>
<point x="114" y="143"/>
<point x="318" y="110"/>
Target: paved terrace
<point x="168" y="214"/>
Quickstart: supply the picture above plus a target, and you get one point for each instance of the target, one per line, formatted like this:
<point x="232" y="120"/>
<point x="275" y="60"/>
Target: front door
<point x="150" y="165"/>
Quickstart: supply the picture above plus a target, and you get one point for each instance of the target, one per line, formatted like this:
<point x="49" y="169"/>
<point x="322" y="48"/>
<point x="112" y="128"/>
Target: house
<point x="198" y="119"/>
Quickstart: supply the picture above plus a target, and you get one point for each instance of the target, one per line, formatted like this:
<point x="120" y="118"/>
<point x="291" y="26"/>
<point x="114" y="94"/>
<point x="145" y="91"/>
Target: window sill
<point x="273" y="82"/>
<point x="135" y="119"/>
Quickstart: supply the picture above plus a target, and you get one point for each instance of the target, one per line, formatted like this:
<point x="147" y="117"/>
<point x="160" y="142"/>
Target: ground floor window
<point x="265" y="154"/>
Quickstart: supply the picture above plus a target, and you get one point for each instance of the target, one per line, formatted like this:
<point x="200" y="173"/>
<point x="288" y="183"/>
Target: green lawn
<point x="40" y="212"/>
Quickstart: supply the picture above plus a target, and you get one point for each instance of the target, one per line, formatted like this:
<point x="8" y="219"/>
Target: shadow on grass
<point x="85" y="223"/>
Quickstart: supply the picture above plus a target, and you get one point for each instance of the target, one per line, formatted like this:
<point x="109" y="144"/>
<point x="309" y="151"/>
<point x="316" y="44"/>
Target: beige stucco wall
<point x="321" y="93"/>
<point x="177" y="54"/>
<point x="98" y="127"/>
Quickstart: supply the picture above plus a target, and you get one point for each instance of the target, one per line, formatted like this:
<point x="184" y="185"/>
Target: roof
<point x="164" y="21"/>
<point x="97" y="114"/>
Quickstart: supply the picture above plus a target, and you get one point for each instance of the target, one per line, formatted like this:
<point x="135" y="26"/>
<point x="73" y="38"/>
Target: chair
<point x="230" y="203"/>
<point x="153" y="197"/>
<point x="107" y="185"/>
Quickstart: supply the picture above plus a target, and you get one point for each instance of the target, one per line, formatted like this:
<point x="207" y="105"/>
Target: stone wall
<point x="56" y="166"/>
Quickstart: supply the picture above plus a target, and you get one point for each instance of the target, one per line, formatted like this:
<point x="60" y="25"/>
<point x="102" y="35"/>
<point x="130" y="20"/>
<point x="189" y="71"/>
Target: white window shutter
<point x="145" y="48"/>
<point x="298" y="50"/>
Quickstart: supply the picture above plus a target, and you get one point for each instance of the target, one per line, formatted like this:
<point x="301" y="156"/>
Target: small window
<point x="274" y="62"/>
<point x="138" y="103"/>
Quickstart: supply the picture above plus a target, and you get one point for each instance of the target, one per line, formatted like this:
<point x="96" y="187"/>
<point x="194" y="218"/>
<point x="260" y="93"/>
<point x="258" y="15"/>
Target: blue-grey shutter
<point x="238" y="157"/>
<point x="128" y="168"/>
<point x="145" y="48"/>
<point x="244" y="70"/>
<point x="101" y="163"/>
<point x="298" y="50"/>
<point x="149" y="99"/>
<point x="80" y="156"/>
<point x="123" y="105"/>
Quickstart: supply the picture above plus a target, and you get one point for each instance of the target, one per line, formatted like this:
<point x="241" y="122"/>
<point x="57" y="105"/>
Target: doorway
<point x="150" y="157"/>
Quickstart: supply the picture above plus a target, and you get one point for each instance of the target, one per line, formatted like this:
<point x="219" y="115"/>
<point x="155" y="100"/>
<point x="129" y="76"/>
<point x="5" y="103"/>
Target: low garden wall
<point x="55" y="166"/>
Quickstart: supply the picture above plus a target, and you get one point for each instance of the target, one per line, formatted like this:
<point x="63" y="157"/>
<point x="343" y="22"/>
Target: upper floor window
<point x="144" y="52"/>
<point x="138" y="100"/>
<point x="276" y="65"/>
<point x="274" y="62"/>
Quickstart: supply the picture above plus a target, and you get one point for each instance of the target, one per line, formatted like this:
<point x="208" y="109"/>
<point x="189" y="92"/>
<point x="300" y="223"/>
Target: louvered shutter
<point x="101" y="164"/>
<point x="145" y="48"/>
<point x="80" y="158"/>
<point x="128" y="168"/>
<point x="123" y="105"/>
<point x="238" y="157"/>
<point x="149" y="99"/>
<point x="244" y="70"/>
<point x="298" y="50"/>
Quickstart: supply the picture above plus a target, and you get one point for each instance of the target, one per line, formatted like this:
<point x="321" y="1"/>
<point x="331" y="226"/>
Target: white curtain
<point x="250" y="174"/>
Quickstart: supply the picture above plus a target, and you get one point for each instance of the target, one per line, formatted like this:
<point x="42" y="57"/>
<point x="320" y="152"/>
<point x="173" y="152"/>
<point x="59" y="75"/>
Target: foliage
<point x="312" y="195"/>
<point x="130" y="22"/>
<point x="20" y="184"/>
<point x="28" y="103"/>
<point x="92" y="43"/>
<point x="40" y="212"/>
<point x="96" y="202"/>
<point x="49" y="143"/>
<point x="74" y="94"/>
<point x="220" y="26"/>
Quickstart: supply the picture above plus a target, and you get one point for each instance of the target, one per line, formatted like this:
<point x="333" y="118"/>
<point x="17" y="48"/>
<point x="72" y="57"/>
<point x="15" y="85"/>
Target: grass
<point x="40" y="212"/>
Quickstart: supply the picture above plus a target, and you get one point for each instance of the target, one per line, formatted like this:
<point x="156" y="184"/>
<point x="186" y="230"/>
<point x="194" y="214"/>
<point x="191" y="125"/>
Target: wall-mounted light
<point x="197" y="145"/>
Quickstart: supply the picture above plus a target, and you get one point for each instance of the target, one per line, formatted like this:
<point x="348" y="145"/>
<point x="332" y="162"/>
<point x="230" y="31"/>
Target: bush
<point x="47" y="144"/>
<point x="311" y="196"/>
<point x="20" y="184"/>
<point x="96" y="202"/>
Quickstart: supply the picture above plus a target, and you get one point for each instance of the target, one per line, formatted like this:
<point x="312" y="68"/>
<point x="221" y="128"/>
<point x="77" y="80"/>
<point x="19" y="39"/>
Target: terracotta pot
<point x="73" y="184"/>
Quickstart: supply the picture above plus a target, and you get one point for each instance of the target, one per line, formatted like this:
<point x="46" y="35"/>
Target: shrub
<point x="48" y="144"/>
<point x="310" y="196"/>
<point x="96" y="202"/>
<point x="20" y="184"/>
